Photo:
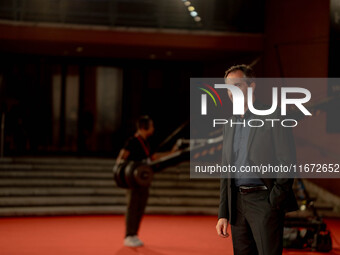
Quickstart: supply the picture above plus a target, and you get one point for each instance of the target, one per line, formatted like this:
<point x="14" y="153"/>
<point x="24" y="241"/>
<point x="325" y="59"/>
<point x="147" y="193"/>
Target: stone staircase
<point x="62" y="186"/>
<point x="65" y="186"/>
<point x="325" y="203"/>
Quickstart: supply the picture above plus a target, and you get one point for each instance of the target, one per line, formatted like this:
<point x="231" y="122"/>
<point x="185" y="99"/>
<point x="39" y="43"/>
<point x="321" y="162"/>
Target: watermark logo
<point x="286" y="104"/>
<point x="204" y="98"/>
<point x="260" y="114"/>
<point x="239" y="98"/>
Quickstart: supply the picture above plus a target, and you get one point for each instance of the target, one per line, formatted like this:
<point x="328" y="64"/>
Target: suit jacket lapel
<point x="230" y="141"/>
<point x="251" y="136"/>
<point x="257" y="105"/>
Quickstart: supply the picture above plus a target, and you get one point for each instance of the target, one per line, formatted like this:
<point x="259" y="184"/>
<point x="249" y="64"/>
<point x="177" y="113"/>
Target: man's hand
<point x="221" y="227"/>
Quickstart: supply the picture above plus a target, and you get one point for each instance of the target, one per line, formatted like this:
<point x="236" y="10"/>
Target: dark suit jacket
<point x="266" y="145"/>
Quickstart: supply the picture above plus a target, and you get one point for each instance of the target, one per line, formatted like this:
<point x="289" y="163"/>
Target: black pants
<point x="136" y="203"/>
<point x="258" y="229"/>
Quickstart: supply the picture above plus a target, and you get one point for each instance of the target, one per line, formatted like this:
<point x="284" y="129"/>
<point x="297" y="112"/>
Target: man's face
<point x="237" y="79"/>
<point x="151" y="129"/>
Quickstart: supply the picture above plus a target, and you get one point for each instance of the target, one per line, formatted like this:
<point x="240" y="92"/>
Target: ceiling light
<point x="193" y="14"/>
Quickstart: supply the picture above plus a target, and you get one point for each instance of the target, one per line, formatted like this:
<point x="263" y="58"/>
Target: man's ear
<point x="253" y="85"/>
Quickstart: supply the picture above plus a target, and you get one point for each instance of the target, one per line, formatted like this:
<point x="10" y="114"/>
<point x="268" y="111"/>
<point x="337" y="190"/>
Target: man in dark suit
<point x="255" y="207"/>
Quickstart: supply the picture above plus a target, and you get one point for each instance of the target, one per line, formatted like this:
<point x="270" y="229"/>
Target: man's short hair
<point x="143" y="122"/>
<point x="247" y="70"/>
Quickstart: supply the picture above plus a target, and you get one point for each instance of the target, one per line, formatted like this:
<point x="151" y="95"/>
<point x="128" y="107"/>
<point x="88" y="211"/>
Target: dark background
<point x="75" y="75"/>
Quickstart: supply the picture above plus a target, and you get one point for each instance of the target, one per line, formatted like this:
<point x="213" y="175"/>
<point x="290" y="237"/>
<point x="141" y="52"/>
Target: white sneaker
<point x="132" y="241"/>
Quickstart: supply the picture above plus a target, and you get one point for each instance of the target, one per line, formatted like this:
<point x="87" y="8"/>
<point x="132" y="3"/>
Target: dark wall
<point x="297" y="45"/>
<point x="158" y="88"/>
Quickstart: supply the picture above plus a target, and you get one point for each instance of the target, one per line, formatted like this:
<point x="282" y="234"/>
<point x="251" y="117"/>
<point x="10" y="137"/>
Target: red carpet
<point x="103" y="235"/>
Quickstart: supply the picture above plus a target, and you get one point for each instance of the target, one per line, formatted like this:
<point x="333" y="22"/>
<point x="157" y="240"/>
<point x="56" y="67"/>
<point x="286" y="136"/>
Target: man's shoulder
<point x="130" y="142"/>
<point x="131" y="139"/>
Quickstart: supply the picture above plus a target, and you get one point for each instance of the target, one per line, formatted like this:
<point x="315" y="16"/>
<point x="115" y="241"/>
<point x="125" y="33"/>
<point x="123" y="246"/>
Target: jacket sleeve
<point x="223" y="211"/>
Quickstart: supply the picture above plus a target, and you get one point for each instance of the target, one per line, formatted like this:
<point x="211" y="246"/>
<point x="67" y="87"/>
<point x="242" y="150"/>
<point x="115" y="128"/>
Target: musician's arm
<point x="122" y="156"/>
<point x="159" y="155"/>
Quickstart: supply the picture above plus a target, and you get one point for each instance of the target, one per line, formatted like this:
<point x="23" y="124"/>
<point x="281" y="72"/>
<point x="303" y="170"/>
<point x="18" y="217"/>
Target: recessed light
<point x="193" y="14"/>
